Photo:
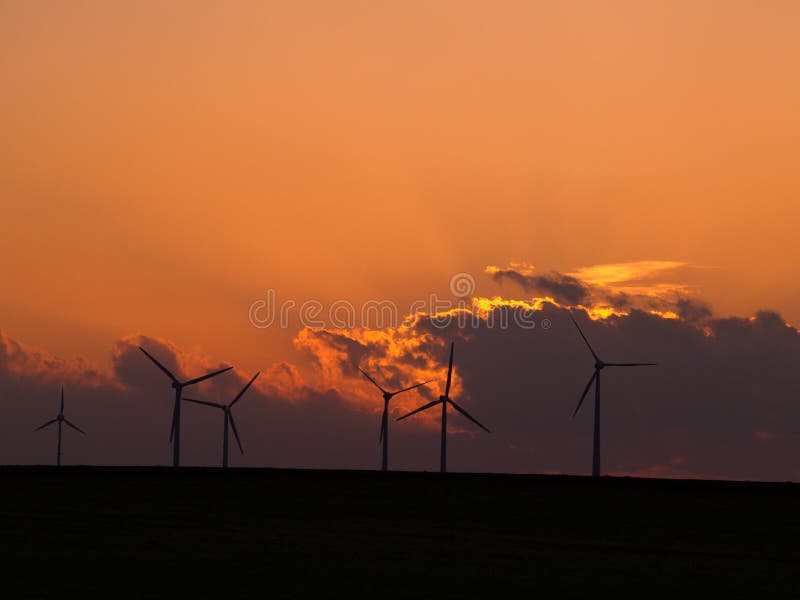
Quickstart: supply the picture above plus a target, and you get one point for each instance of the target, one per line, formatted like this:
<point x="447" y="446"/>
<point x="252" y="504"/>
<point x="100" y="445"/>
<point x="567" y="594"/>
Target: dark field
<point x="189" y="533"/>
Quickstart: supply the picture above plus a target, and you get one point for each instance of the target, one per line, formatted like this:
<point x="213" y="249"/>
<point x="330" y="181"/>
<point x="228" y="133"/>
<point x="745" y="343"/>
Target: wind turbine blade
<point x="207" y="376"/>
<point x="420" y="409"/>
<point x="62" y="401"/>
<point x="235" y="433"/>
<point x="585" y="391"/>
<point x="377" y="385"/>
<point x="159" y="365"/>
<point x="50" y="422"/>
<point x="631" y="364"/>
<point x="75" y="427"/>
<point x="244" y="389"/>
<point x="383" y="425"/>
<point x="449" y="372"/>
<point x="469" y="416"/>
<point x="411" y="387"/>
<point x="583" y="336"/>
<point x="214" y="404"/>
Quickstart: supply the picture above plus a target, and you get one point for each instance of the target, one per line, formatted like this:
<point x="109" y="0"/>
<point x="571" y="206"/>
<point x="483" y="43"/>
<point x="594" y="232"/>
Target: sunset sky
<point x="163" y="165"/>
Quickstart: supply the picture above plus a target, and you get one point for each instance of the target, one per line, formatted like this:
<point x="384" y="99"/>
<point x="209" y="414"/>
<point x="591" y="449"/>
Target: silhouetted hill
<point x="191" y="533"/>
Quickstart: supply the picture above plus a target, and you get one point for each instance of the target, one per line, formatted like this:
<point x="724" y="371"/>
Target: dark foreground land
<point x="194" y="533"/>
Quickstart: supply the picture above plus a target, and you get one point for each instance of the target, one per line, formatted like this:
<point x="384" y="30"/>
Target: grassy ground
<point x="151" y="533"/>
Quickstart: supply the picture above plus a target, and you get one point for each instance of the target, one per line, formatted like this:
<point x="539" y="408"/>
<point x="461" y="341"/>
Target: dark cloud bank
<point x="723" y="402"/>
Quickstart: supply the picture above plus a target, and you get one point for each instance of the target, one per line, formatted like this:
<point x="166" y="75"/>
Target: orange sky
<point x="163" y="165"/>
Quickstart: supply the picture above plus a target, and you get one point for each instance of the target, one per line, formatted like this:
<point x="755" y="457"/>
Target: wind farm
<point x="506" y="528"/>
<point x="243" y="240"/>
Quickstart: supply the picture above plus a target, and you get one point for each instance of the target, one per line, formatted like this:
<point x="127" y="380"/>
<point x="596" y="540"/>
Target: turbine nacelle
<point x="387" y="396"/>
<point x="60" y="418"/>
<point x="599" y="365"/>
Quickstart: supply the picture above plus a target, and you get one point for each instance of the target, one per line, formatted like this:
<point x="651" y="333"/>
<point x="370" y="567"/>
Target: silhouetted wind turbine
<point x="599" y="365"/>
<point x="228" y="421"/>
<point x="175" y="431"/>
<point x="384" y="437"/>
<point x="60" y="419"/>
<point x="445" y="400"/>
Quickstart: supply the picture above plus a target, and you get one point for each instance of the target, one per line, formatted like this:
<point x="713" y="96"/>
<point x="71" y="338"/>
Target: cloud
<point x="722" y="401"/>
<point x="126" y="410"/>
<point x="625" y="273"/>
<point x="722" y="387"/>
<point x="693" y="311"/>
<point x="20" y="362"/>
<point x="563" y="288"/>
<point x="610" y="288"/>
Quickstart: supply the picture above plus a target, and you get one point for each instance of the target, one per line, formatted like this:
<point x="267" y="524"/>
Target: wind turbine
<point x="384" y="437"/>
<point x="60" y="419"/>
<point x="599" y="365"/>
<point x="445" y="400"/>
<point x="228" y="421"/>
<point x="175" y="431"/>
